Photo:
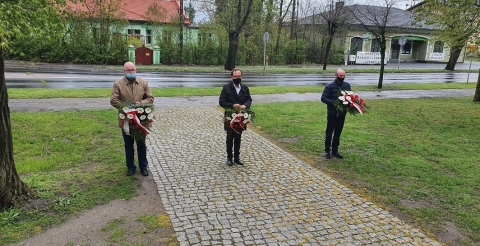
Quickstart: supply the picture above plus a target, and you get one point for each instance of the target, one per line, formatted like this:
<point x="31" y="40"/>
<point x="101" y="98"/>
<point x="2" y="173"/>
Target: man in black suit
<point x="236" y="96"/>
<point x="335" y="118"/>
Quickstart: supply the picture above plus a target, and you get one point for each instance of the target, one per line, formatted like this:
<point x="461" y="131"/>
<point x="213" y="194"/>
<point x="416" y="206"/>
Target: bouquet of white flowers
<point x="136" y="120"/>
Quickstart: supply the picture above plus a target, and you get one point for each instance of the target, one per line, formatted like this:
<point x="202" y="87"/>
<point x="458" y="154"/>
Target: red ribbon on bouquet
<point x="352" y="99"/>
<point x="136" y="121"/>
<point x="237" y="124"/>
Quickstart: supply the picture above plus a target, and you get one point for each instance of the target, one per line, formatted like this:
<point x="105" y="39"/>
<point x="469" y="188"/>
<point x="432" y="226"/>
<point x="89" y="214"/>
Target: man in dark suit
<point x="335" y="118"/>
<point x="235" y="96"/>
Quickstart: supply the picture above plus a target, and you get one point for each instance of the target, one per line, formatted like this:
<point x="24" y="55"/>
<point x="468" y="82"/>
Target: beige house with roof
<point x="406" y="41"/>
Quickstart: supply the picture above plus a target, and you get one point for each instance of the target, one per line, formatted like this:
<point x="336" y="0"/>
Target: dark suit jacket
<point x="330" y="95"/>
<point x="229" y="97"/>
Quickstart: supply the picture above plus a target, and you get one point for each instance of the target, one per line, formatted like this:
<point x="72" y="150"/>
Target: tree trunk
<point x="332" y="27"/>
<point x="454" y="54"/>
<point x="233" y="38"/>
<point x="327" y="52"/>
<point x="476" y="98"/>
<point x="292" y="27"/>
<point x="280" y="24"/>
<point x="13" y="192"/>
<point x="181" y="33"/>
<point x="382" y="65"/>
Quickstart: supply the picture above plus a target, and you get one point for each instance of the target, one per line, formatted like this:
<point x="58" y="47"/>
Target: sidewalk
<point x="274" y="199"/>
<point x="57" y="104"/>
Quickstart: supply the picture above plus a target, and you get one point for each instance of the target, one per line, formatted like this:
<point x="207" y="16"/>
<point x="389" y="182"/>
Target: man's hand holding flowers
<point x="350" y="102"/>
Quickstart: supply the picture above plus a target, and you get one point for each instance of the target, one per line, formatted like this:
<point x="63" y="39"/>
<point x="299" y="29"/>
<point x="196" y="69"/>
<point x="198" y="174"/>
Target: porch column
<point x="131" y="53"/>
<point x="156" y="55"/>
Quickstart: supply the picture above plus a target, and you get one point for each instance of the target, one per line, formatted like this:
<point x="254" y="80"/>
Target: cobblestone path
<point x="274" y="199"/>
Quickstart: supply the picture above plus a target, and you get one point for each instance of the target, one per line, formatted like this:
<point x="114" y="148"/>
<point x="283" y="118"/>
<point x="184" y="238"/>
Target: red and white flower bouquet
<point x="350" y="102"/>
<point x="136" y="120"/>
<point x="237" y="120"/>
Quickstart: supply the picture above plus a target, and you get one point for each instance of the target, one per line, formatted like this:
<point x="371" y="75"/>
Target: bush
<point x="295" y="52"/>
<point x="337" y="58"/>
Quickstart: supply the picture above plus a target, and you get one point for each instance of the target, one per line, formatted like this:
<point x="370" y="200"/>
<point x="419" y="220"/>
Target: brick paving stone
<point x="274" y="199"/>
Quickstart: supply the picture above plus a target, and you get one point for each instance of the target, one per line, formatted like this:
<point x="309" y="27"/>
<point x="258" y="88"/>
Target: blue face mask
<point x="131" y="76"/>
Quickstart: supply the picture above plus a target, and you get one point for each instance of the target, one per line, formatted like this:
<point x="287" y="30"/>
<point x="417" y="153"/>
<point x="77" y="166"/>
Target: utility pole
<point x="182" y="20"/>
<point x="476" y="98"/>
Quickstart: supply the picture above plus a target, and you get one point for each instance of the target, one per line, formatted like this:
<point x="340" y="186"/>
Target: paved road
<point x="97" y="76"/>
<point x="163" y="80"/>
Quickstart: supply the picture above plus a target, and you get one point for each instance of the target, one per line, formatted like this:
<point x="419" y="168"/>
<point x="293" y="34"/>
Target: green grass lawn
<point x="16" y="93"/>
<point x="417" y="156"/>
<point x="72" y="159"/>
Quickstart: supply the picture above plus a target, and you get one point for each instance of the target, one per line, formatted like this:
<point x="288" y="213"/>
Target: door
<point x="143" y="56"/>
<point x="395" y="49"/>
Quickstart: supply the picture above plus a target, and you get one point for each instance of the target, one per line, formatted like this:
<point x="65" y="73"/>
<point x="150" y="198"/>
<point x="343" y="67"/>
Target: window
<point x="407" y="47"/>
<point x="438" y="47"/>
<point x="134" y="34"/>
<point x="204" y="38"/>
<point x="375" y="45"/>
<point x="167" y="36"/>
<point x="149" y="37"/>
<point x="356" y="44"/>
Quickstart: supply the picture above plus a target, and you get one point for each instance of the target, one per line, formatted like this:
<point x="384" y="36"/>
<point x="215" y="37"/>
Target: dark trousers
<point x="130" y="152"/>
<point x="233" y="141"/>
<point x="334" y="130"/>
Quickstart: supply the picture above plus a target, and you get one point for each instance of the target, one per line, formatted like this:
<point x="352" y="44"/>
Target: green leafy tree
<point x="191" y="13"/>
<point x="456" y="21"/>
<point x="94" y="32"/>
<point x="232" y="15"/>
<point x="20" y="18"/>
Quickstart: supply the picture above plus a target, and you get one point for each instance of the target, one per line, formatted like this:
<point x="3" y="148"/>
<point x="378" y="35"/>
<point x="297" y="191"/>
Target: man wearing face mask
<point x="132" y="89"/>
<point x="335" y="118"/>
<point x="234" y="95"/>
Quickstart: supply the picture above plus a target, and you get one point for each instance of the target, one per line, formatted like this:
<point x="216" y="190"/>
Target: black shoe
<point x="239" y="162"/>
<point x="336" y="154"/>
<point x="144" y="172"/>
<point x="229" y="162"/>
<point x="327" y="155"/>
<point x="131" y="172"/>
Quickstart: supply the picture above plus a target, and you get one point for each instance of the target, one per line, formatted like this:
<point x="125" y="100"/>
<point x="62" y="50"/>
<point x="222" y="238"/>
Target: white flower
<point x="122" y="116"/>
<point x="125" y="109"/>
<point x="143" y="117"/>
<point x="245" y="115"/>
<point x="130" y="116"/>
<point x="234" y="115"/>
<point x="148" y="110"/>
<point x="345" y="102"/>
<point x="341" y="98"/>
<point x="245" y="121"/>
<point x="150" y="116"/>
<point x="228" y="118"/>
<point x="140" y="110"/>
<point x="349" y="92"/>
<point x="348" y="98"/>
